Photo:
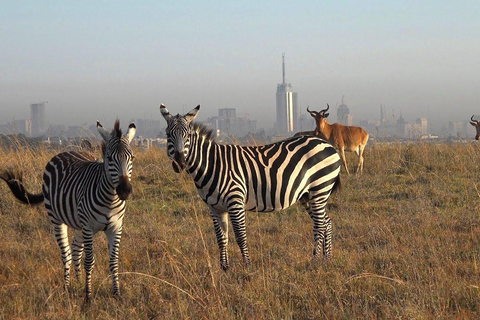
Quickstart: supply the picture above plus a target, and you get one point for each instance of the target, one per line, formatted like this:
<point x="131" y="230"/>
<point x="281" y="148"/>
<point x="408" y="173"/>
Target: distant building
<point x="227" y="124"/>
<point x="460" y="129"/>
<point x="22" y="126"/>
<point x="343" y="115"/>
<point x="37" y="116"/>
<point x="287" y="106"/>
<point x="17" y="127"/>
<point x="57" y="130"/>
<point x="147" y="128"/>
<point x="417" y="129"/>
<point x="306" y="123"/>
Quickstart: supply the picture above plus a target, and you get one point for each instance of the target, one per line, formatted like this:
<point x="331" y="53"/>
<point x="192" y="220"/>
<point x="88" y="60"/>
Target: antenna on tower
<point x="283" y="67"/>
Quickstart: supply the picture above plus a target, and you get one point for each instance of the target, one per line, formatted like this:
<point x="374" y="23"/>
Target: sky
<point x="102" y="60"/>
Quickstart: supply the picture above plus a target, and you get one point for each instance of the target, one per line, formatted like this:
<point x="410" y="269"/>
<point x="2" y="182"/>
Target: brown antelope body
<point x="476" y="124"/>
<point x="344" y="138"/>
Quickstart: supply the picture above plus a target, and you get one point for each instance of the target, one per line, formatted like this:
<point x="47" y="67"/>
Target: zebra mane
<point x="116" y="129"/>
<point x="203" y="130"/>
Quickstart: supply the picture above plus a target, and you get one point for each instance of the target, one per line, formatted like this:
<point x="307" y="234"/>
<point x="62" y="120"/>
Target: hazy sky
<point x="105" y="59"/>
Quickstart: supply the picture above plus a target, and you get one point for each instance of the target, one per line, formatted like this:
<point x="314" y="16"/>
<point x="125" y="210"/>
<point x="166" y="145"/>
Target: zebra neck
<point x="105" y="182"/>
<point x="202" y="153"/>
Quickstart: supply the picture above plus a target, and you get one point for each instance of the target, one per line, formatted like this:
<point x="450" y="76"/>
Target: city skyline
<point x="102" y="60"/>
<point x="227" y="125"/>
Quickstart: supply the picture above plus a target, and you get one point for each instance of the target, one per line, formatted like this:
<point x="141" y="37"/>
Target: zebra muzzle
<point x="124" y="188"/>
<point x="178" y="162"/>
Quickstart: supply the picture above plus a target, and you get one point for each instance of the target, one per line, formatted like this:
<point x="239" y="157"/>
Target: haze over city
<point x="108" y="59"/>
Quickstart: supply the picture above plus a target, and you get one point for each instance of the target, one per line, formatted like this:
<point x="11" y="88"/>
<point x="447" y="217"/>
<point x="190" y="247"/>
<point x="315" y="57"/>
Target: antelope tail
<point x="18" y="190"/>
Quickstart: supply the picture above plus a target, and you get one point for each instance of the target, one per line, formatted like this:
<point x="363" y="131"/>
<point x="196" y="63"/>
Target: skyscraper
<point x="287" y="109"/>
<point x="37" y="116"/>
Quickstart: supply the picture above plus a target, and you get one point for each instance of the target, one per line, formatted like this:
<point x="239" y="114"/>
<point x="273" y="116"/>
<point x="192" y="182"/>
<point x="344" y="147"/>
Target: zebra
<point x="87" y="195"/>
<point x="232" y="179"/>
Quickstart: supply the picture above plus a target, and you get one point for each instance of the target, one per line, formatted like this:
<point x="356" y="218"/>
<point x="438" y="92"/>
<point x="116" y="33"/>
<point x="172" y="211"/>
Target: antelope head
<point x="320" y="117"/>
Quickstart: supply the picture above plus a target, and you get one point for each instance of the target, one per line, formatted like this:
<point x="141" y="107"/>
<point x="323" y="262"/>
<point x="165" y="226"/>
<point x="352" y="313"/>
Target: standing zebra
<point x="88" y="196"/>
<point x="233" y="179"/>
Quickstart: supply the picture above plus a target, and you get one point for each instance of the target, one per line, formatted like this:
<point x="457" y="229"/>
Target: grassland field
<point x="406" y="245"/>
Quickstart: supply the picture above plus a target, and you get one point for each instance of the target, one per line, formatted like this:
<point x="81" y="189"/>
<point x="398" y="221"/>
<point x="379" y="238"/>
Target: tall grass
<point x="406" y="245"/>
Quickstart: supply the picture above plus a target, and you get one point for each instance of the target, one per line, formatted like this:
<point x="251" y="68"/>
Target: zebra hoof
<point x="224" y="266"/>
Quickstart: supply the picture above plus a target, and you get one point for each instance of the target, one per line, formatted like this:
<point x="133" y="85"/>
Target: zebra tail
<point x="18" y="190"/>
<point x="337" y="186"/>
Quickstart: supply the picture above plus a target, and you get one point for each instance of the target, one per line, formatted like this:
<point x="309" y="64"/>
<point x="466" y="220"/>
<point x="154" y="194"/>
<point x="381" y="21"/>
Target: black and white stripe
<point x="232" y="179"/>
<point x="87" y="195"/>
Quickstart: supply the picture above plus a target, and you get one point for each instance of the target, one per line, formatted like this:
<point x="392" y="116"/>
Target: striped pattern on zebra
<point x="232" y="179"/>
<point x="87" y="195"/>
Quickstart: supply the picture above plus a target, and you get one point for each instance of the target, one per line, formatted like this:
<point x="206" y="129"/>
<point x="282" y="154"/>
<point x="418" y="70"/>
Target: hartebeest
<point x="342" y="137"/>
<point x="476" y="124"/>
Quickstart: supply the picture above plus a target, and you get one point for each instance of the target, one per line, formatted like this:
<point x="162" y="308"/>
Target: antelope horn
<point x="313" y="113"/>
<point x="477" y="121"/>
<point x="325" y="110"/>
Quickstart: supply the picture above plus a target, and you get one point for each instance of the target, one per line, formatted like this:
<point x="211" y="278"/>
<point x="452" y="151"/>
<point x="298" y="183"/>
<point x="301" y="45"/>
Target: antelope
<point x="342" y="137"/>
<point x="476" y="124"/>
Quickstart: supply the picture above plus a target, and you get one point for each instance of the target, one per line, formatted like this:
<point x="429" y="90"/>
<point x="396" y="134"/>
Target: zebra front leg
<point x="220" y="223"/>
<point x="114" y="236"/>
<point x="237" y="216"/>
<point x="61" y="235"/>
<point x="89" y="262"/>
<point x="77" y="252"/>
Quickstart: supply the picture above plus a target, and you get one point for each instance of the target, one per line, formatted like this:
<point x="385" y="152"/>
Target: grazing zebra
<point x="87" y="195"/>
<point x="233" y="179"/>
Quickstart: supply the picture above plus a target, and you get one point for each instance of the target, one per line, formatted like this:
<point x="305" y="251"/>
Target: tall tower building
<point x="343" y="115"/>
<point x="287" y="107"/>
<point x="37" y="116"/>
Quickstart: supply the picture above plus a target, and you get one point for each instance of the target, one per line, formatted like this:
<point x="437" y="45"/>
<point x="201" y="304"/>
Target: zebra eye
<point x="109" y="157"/>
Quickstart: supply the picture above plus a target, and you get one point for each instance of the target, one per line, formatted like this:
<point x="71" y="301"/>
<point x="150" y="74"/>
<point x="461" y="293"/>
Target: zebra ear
<point x="165" y="113"/>
<point x="131" y="132"/>
<point x="192" y="114"/>
<point x="103" y="132"/>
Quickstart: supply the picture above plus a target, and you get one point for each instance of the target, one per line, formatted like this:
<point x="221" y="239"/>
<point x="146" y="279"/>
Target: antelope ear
<point x="103" y="132"/>
<point x="165" y="113"/>
<point x="326" y="115"/>
<point x="131" y="132"/>
<point x="192" y="114"/>
<point x="473" y="124"/>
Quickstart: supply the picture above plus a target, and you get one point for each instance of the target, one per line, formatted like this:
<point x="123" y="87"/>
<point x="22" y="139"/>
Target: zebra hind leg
<point x="77" y="252"/>
<point x="220" y="223"/>
<point x="89" y="262"/>
<point x="322" y="227"/>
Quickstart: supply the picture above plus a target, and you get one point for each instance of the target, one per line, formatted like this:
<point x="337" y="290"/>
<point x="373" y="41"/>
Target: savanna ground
<point x="406" y="245"/>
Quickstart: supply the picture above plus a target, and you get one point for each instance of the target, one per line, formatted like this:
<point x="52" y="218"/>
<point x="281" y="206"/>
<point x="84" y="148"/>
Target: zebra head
<point x="178" y="136"/>
<point x="118" y="157"/>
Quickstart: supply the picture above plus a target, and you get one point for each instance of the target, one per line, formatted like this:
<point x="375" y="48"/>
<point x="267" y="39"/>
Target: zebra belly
<point x="59" y="212"/>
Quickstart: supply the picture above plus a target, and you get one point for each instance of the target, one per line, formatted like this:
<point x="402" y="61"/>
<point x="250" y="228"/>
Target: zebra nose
<point x="124" y="188"/>
<point x="178" y="161"/>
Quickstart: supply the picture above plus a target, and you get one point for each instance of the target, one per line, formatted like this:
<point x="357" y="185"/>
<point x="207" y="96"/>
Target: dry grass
<point x="406" y="245"/>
